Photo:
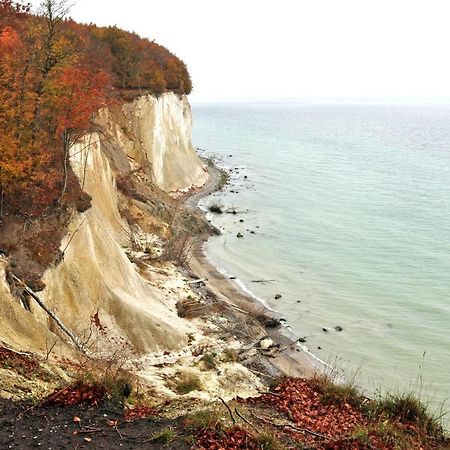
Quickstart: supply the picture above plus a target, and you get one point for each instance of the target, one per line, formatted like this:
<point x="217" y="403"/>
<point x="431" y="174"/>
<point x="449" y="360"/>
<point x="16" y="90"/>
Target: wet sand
<point x="292" y="359"/>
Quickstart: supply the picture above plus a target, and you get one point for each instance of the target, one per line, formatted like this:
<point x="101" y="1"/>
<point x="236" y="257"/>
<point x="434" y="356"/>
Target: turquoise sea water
<point x="350" y="205"/>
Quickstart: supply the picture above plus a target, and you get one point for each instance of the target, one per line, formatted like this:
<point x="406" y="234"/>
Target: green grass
<point x="203" y="418"/>
<point x="361" y="434"/>
<point x="407" y="408"/>
<point x="268" y="441"/>
<point x="188" y="382"/>
<point x="163" y="436"/>
<point x="334" y="393"/>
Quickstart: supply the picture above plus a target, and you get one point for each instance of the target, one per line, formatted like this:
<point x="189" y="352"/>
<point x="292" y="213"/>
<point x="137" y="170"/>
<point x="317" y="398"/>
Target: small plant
<point x="209" y="361"/>
<point x="164" y="436"/>
<point x="203" y="419"/>
<point x="390" y="434"/>
<point x="188" y="382"/>
<point x="267" y="441"/>
<point x="230" y="355"/>
<point x="331" y="392"/>
<point x="361" y="434"/>
<point x="407" y="408"/>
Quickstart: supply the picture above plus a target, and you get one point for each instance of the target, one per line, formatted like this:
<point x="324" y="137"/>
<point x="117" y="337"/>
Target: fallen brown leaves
<point x="298" y="399"/>
<point x="139" y="412"/>
<point x="79" y="393"/>
<point x="334" y="425"/>
<point x="233" y="439"/>
<point x="22" y="364"/>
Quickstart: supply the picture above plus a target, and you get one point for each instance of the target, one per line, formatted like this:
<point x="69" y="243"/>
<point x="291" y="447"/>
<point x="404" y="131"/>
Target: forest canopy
<point x="55" y="74"/>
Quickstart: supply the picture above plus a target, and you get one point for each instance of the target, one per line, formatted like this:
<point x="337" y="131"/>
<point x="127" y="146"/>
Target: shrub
<point x="230" y="355"/>
<point x="203" y="419"/>
<point x="188" y="382"/>
<point x="334" y="393"/>
<point x="163" y="436"/>
<point x="406" y="408"/>
<point x="209" y="361"/>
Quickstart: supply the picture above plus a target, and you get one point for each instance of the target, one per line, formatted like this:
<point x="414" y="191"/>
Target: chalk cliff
<point x="97" y="288"/>
<point x="156" y="134"/>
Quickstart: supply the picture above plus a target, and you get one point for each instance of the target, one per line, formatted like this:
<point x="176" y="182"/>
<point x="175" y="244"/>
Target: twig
<point x="95" y="430"/>
<point x="73" y="235"/>
<point x="33" y="295"/>
<point x="242" y="417"/>
<point x="302" y="430"/>
<point x="269" y="393"/>
<point x="118" y="432"/>
<point x="287" y="424"/>
<point x="15" y="351"/>
<point x="229" y="410"/>
<point x="200" y="280"/>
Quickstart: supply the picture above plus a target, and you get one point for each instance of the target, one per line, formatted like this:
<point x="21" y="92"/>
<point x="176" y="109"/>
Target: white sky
<point x="294" y="48"/>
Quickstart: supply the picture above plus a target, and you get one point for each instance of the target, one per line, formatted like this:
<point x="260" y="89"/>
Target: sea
<point x="344" y="210"/>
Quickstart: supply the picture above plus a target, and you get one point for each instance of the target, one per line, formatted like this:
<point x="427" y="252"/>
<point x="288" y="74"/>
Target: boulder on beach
<point x="266" y="343"/>
<point x="272" y="323"/>
<point x="240" y="235"/>
<point x="277" y="296"/>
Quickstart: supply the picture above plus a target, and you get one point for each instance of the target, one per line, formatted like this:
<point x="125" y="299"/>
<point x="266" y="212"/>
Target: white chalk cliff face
<point x="156" y="134"/>
<point x="95" y="275"/>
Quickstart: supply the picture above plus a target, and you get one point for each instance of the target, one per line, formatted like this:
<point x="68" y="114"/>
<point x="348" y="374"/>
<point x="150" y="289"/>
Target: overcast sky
<point x="294" y="48"/>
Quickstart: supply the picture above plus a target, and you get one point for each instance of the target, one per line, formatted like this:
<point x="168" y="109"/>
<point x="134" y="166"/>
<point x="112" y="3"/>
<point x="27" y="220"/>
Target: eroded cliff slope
<point x="100" y="288"/>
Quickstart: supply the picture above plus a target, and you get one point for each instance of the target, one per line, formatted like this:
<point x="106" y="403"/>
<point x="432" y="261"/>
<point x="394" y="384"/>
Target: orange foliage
<point x="51" y="86"/>
<point x="74" y="94"/>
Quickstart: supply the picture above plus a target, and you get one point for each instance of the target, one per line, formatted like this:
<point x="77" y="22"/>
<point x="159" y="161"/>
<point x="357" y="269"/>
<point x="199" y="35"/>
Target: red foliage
<point x="54" y="76"/>
<point x="301" y="402"/>
<point x="91" y="394"/>
<point x="139" y="412"/>
<point x="74" y="95"/>
<point x="232" y="439"/>
<point x="22" y="364"/>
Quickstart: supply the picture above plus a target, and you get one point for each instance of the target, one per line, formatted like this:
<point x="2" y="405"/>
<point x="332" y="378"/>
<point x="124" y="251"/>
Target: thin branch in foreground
<point x="242" y="417"/>
<point x="229" y="410"/>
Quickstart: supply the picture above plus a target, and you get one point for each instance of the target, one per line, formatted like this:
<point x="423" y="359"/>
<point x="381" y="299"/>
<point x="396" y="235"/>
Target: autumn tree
<point x="73" y="96"/>
<point x="55" y="74"/>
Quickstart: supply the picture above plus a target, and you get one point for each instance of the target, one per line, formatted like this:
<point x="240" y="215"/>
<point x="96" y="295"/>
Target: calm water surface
<point x="350" y="205"/>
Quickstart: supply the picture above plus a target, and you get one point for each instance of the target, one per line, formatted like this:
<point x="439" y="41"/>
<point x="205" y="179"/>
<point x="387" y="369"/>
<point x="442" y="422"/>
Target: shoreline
<point x="293" y="359"/>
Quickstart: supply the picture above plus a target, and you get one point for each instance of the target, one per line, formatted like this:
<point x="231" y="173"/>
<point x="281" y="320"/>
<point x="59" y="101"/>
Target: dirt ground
<point x="23" y="426"/>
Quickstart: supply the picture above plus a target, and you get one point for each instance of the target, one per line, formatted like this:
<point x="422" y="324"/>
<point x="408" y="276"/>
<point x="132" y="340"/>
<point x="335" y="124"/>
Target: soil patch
<point x="24" y="426"/>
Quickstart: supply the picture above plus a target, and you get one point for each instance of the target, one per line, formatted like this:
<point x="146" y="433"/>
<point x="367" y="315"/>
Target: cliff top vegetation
<point x="55" y="74"/>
